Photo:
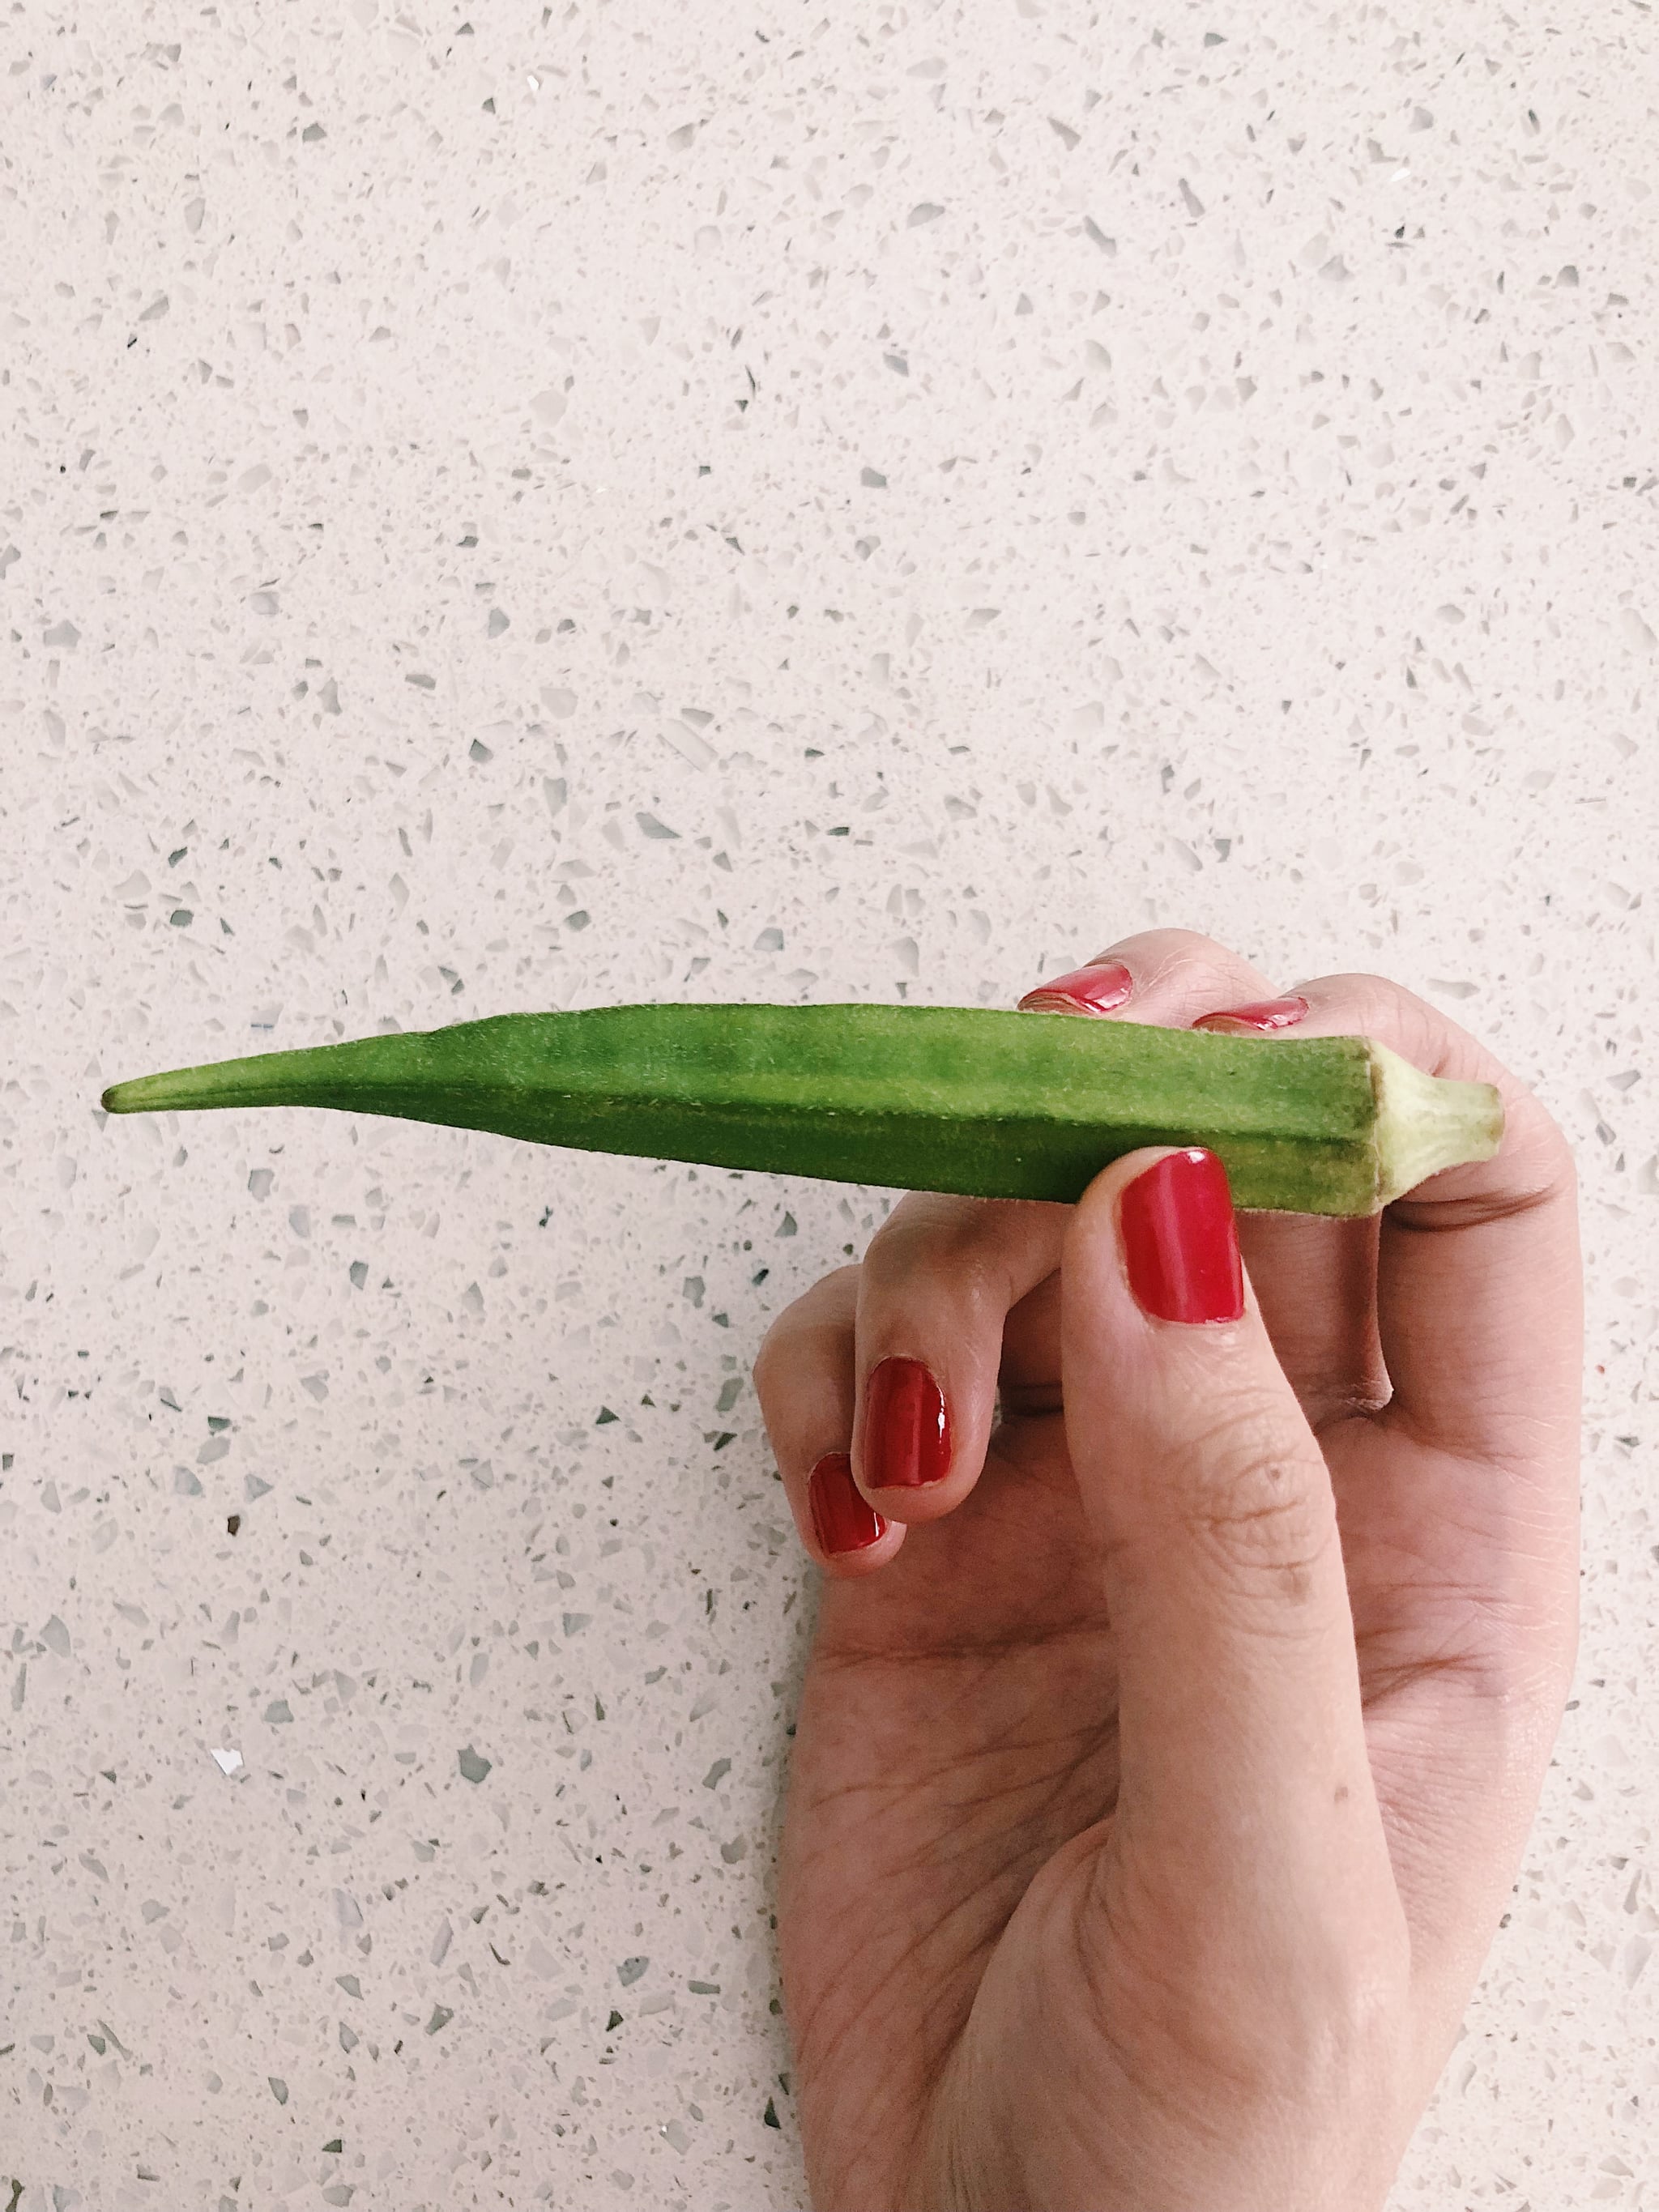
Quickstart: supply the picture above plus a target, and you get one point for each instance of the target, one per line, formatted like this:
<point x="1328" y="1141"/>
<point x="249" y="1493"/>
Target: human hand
<point x="1153" y="1807"/>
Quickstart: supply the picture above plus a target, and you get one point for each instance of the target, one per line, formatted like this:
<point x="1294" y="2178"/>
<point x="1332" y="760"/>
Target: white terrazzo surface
<point x="592" y="503"/>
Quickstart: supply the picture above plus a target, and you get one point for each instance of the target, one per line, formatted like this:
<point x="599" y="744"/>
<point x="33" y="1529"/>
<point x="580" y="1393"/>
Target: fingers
<point x="891" y="1369"/>
<point x="1479" y="1287"/>
<point x="1479" y="1275"/>
<point x="804" y="1377"/>
<point x="1239" y="1704"/>
<point x="945" y="1274"/>
<point x="1163" y="976"/>
<point x="937" y="1285"/>
<point x="1314" y="1278"/>
<point x="955" y="1291"/>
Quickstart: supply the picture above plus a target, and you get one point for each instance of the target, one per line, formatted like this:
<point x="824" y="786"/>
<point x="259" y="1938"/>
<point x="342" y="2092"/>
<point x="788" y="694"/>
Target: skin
<point x="1161" y="1775"/>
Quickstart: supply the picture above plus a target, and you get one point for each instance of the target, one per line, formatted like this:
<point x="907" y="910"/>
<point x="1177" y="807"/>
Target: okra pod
<point x="991" y="1103"/>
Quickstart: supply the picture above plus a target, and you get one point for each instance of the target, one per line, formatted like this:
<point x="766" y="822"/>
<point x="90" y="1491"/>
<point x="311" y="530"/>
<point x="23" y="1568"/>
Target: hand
<point x="1168" y="1750"/>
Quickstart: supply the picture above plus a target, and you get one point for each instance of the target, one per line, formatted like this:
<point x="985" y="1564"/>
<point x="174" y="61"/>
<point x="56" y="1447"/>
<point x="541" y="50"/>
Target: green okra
<point x="976" y="1100"/>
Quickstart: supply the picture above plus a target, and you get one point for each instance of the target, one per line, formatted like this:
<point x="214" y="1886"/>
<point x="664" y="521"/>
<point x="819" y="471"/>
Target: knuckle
<point x="766" y="1358"/>
<point x="890" y="1254"/>
<point x="956" y="1246"/>
<point x="1348" y="2026"/>
<point x="1360" y="983"/>
<point x="1173" y="944"/>
<point x="1376" y="1006"/>
<point x="769" y="1369"/>
<point x="1558" y="1161"/>
<point x="1382" y="1007"/>
<point x="1535" y="1148"/>
<point x="1541" y="1165"/>
<point x="1185" y="960"/>
<point x="778" y="1358"/>
<point x="1340" y="2019"/>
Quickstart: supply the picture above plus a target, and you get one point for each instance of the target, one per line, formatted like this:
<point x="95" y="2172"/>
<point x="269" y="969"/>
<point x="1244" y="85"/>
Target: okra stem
<point x="976" y="1100"/>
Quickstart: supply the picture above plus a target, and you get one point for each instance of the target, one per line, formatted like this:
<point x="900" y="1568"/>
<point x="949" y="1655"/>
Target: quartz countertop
<point x="591" y="504"/>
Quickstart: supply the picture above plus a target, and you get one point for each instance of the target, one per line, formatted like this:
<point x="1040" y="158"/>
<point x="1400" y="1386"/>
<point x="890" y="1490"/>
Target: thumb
<point x="1239" y="1710"/>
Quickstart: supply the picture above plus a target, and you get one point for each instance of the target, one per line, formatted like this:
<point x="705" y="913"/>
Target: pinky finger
<point x="805" y="1381"/>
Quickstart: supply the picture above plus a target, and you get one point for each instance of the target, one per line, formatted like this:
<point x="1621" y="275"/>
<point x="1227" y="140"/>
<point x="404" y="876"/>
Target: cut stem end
<point x="1426" y="1123"/>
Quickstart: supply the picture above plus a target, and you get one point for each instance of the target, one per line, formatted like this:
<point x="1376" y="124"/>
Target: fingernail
<point x="1265" y="1014"/>
<point x="842" y="1521"/>
<point x="1094" y="990"/>
<point x="907" y="1435"/>
<point x="1180" y="1240"/>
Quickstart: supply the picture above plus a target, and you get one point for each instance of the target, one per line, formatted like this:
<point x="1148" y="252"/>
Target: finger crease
<point x="1429" y="1217"/>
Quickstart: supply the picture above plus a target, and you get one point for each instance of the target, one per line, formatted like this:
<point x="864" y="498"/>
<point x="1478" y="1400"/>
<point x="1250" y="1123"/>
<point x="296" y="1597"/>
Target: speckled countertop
<point x="591" y="503"/>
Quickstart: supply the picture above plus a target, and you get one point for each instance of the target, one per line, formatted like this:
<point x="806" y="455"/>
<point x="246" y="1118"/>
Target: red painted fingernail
<point x="1095" y="990"/>
<point x="842" y="1521"/>
<point x="1265" y="1014"/>
<point x="1180" y="1240"/>
<point x="906" y="1435"/>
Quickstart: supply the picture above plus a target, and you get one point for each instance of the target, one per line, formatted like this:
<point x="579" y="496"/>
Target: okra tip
<point x="149" y="1094"/>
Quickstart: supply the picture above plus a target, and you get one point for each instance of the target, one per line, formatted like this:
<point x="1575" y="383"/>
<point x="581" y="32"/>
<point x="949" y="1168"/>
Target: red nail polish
<point x="1180" y="1240"/>
<point x="907" y="1434"/>
<point x="1096" y="988"/>
<point x="842" y="1519"/>
<point x="1265" y="1014"/>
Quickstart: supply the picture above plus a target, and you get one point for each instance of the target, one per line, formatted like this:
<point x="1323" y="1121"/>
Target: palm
<point x="958" y="1726"/>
